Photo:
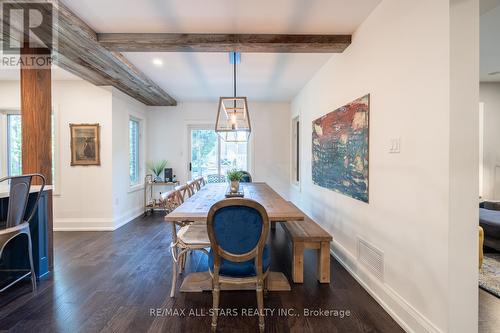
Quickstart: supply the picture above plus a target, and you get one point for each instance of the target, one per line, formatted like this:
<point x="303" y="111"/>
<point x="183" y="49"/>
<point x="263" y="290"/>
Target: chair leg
<point x="273" y="225"/>
<point x="184" y="259"/>
<point x="215" y="305"/>
<point x="30" y="255"/>
<point x="266" y="286"/>
<point x="260" y="306"/>
<point x="174" y="272"/>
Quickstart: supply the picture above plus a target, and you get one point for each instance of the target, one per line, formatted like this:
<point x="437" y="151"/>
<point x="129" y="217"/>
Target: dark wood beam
<point x="79" y="52"/>
<point x="266" y="43"/>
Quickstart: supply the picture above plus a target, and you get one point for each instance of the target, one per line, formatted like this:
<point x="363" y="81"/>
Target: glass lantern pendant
<point x="233" y="120"/>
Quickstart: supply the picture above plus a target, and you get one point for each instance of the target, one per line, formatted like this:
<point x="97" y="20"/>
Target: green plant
<point x="235" y="175"/>
<point x="157" y="167"/>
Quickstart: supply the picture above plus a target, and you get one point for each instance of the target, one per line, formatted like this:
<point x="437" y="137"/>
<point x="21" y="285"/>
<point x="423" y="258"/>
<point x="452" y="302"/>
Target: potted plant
<point x="235" y="176"/>
<point x="157" y="168"/>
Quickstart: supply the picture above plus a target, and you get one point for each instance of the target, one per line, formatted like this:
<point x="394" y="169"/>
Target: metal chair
<point x="238" y="229"/>
<point x="15" y="225"/>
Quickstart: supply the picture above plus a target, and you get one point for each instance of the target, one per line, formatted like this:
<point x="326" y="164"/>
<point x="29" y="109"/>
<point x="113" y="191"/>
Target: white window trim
<point x="56" y="159"/>
<point x="140" y="184"/>
<point x="293" y="149"/>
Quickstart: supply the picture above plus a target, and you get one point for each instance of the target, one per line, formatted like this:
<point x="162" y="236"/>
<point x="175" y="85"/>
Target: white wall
<point x="269" y="142"/>
<point x="128" y="202"/>
<point x="90" y="197"/>
<point x="401" y="56"/>
<point x="490" y="96"/>
<point x="83" y="197"/>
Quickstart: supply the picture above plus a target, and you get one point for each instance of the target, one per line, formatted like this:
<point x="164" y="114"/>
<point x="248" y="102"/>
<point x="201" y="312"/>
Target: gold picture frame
<point x="85" y="144"/>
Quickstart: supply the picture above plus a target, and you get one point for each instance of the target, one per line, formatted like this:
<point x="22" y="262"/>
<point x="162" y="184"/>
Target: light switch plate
<point x="395" y="146"/>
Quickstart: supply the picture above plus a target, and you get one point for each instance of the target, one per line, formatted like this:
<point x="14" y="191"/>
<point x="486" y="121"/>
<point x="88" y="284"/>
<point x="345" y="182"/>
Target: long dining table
<point x="195" y="209"/>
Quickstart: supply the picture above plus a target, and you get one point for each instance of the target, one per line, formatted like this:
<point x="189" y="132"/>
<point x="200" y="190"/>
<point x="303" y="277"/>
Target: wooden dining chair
<point x="170" y="200"/>
<point x="202" y="181"/>
<point x="192" y="184"/>
<point x="238" y="229"/>
<point x="191" y="236"/>
<point x="16" y="225"/>
<point x="183" y="193"/>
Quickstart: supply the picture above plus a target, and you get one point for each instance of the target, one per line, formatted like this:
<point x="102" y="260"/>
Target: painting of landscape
<point x="340" y="149"/>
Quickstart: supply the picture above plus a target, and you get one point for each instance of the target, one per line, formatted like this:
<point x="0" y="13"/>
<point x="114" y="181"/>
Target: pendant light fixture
<point x="233" y="121"/>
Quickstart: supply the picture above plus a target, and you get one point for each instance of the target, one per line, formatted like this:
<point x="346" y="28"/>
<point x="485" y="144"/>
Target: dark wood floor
<point x="109" y="281"/>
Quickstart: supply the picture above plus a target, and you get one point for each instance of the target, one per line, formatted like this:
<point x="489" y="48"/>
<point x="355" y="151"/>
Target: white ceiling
<point x="490" y="41"/>
<point x="207" y="76"/>
<point x="223" y="16"/>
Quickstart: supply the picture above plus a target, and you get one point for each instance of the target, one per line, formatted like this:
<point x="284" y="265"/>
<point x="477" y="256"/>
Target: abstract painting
<point x="340" y="149"/>
<point x="85" y="144"/>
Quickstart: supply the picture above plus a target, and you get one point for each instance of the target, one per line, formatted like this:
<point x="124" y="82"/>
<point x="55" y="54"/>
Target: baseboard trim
<point x="410" y="319"/>
<point x="128" y="217"/>
<point x="96" y="224"/>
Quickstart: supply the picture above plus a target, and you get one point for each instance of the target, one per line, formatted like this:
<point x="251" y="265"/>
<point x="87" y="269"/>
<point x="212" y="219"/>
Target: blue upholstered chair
<point x="238" y="229"/>
<point x="247" y="177"/>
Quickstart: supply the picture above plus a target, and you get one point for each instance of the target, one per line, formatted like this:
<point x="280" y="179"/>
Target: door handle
<point x="190" y="168"/>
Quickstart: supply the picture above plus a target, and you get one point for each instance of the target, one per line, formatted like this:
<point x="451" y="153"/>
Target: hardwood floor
<point x="489" y="312"/>
<point x="111" y="281"/>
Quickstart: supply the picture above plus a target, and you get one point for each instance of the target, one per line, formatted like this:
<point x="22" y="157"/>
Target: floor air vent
<point x="371" y="258"/>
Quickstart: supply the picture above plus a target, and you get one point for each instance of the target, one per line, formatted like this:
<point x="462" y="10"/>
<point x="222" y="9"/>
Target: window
<point x="134" y="136"/>
<point x="296" y="150"/>
<point x="14" y="148"/>
<point x="214" y="157"/>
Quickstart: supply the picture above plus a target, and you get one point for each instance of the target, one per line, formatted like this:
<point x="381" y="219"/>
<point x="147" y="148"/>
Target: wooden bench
<point x="308" y="234"/>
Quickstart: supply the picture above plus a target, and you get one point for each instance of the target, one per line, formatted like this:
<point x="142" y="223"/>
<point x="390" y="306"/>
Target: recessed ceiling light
<point x="158" y="62"/>
<point x="494" y="73"/>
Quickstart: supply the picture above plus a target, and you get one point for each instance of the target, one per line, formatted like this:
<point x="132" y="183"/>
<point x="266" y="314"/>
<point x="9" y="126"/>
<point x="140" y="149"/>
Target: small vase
<point x="158" y="179"/>
<point x="235" y="186"/>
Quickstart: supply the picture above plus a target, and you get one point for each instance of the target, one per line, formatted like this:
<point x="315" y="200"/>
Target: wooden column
<point x="36" y="122"/>
<point x="36" y="105"/>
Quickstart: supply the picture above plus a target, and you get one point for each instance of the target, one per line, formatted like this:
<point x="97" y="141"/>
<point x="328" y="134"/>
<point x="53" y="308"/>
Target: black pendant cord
<point x="234" y="77"/>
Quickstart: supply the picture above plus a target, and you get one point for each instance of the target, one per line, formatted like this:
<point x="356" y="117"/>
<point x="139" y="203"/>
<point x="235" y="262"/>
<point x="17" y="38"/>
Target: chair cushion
<point x="240" y="269"/>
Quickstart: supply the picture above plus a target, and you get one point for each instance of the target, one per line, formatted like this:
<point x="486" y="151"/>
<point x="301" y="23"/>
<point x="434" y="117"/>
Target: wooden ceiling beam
<point x="83" y="54"/>
<point x="79" y="52"/>
<point x="263" y="43"/>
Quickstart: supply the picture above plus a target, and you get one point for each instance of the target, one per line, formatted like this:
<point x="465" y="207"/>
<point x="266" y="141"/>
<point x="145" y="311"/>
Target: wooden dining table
<point x="196" y="209"/>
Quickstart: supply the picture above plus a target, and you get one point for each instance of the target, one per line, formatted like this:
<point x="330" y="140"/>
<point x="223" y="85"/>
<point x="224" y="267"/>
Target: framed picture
<point x="85" y="144"/>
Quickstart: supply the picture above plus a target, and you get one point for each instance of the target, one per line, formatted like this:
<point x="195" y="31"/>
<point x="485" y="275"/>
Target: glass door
<point x="204" y="148"/>
<point x="212" y="157"/>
